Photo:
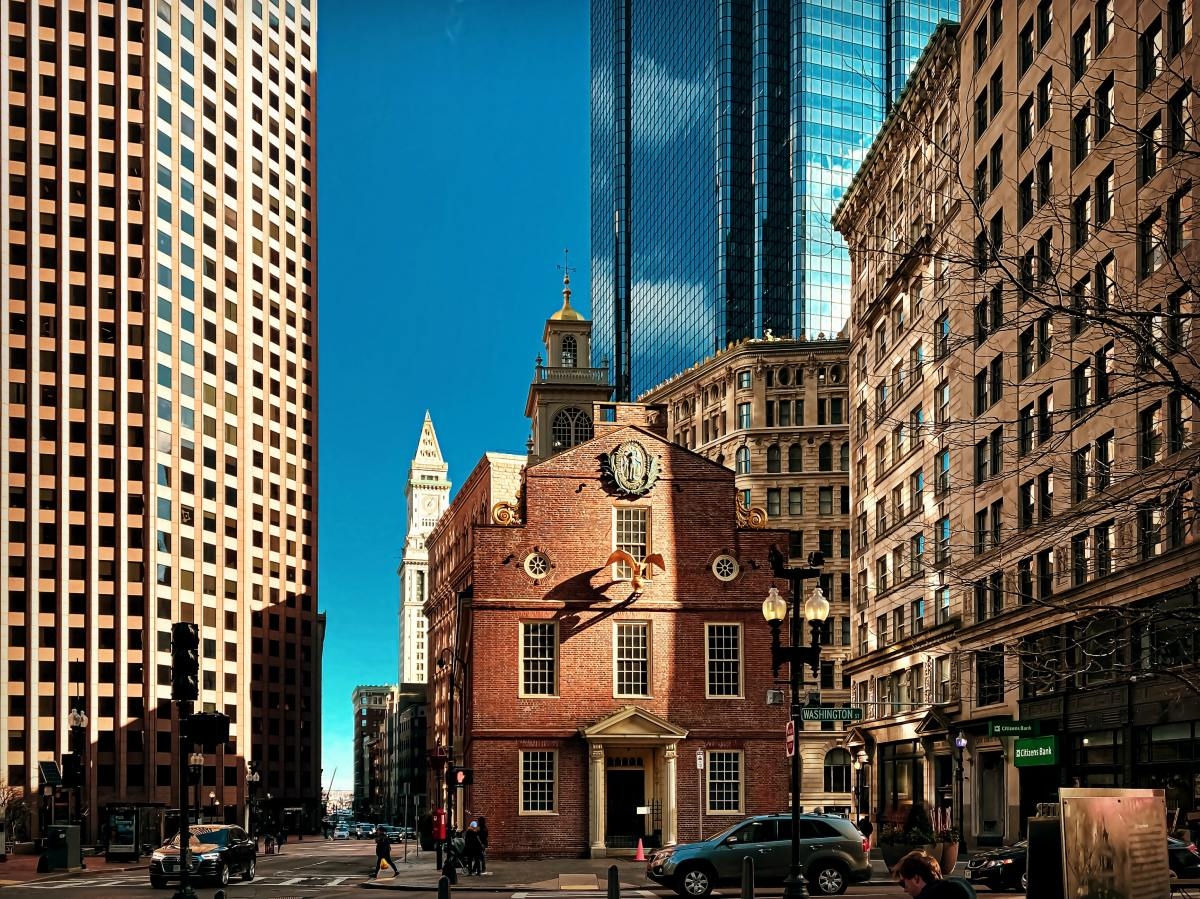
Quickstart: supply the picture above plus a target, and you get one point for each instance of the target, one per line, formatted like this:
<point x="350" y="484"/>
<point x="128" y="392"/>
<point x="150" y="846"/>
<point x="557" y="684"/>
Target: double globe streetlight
<point x="815" y="610"/>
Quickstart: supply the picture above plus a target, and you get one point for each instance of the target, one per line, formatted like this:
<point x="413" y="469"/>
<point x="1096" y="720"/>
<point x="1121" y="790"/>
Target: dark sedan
<point x="998" y="869"/>
<point x="216" y="852"/>
<point x="1004" y="868"/>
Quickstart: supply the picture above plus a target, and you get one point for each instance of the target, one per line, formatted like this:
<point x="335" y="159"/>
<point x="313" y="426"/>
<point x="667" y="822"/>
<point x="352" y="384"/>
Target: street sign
<point x="699" y="759"/>
<point x="830" y="713"/>
<point x="1034" y="752"/>
<point x="1006" y="727"/>
<point x="789" y="738"/>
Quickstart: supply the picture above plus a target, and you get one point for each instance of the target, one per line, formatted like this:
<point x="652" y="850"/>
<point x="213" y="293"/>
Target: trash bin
<point x="62" y="847"/>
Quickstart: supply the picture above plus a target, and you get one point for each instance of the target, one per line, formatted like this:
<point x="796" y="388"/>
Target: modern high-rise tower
<point x="428" y="494"/>
<point x="158" y="355"/>
<point x="723" y="135"/>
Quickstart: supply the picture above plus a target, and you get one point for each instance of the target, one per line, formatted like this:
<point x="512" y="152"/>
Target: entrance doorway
<point x="625" y="791"/>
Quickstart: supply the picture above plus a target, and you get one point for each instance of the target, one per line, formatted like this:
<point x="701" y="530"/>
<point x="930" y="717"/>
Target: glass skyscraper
<point x="723" y="136"/>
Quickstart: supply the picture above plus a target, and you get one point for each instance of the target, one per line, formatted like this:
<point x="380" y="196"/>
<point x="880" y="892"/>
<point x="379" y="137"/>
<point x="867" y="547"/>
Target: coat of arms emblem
<point x="631" y="470"/>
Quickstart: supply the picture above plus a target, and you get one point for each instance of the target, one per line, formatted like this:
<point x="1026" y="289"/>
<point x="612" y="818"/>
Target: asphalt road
<point x="337" y="869"/>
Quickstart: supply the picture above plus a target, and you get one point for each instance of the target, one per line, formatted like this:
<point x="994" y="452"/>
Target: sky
<point x="452" y="171"/>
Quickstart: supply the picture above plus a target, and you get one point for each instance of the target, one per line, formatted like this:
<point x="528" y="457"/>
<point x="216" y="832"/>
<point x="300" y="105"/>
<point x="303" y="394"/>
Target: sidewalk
<point x="23" y="868"/>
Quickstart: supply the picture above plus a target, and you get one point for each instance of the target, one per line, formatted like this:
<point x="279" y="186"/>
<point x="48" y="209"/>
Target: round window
<point x="784" y="377"/>
<point x="835" y="374"/>
<point x="725" y="568"/>
<point x="537" y="565"/>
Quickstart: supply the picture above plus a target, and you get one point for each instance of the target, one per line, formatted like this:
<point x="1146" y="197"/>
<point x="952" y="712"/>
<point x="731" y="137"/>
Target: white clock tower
<point x="428" y="494"/>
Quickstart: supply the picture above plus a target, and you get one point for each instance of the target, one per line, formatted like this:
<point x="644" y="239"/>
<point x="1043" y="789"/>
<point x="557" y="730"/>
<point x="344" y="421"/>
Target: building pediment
<point x="632" y="723"/>
<point x="934" y="722"/>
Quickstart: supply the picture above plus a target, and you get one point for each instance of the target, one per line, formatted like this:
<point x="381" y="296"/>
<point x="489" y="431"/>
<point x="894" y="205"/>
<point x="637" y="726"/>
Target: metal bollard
<point x="747" y="877"/>
<point x="614" y="882"/>
<point x="443" y="888"/>
<point x="219" y="894"/>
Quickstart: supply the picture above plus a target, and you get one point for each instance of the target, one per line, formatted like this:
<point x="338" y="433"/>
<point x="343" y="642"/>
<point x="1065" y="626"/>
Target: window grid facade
<point x="538" y="782"/>
<point x="632" y="658"/>
<point x="724" y="769"/>
<point x="539" y="658"/>
<point x="724" y="647"/>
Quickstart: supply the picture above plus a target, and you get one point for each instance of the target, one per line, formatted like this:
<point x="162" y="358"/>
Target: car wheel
<point x="248" y="874"/>
<point x="695" y="881"/>
<point x="222" y="877"/>
<point x="827" y="879"/>
<point x="158" y="883"/>
<point x="1024" y="880"/>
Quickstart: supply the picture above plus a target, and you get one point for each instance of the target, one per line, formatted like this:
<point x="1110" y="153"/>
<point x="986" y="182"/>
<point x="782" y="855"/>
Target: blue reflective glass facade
<point x="723" y="136"/>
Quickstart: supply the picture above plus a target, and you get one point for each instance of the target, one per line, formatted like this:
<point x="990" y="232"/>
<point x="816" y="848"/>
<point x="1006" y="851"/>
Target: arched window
<point x="570" y="352"/>
<point x="743" y="460"/>
<point x="837" y="771"/>
<point x="795" y="457"/>
<point x="571" y="426"/>
<point x="773" y="458"/>
<point x="844" y="458"/>
<point x="825" y="456"/>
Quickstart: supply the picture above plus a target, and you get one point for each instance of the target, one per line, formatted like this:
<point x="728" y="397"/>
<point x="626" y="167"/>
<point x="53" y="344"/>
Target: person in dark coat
<point x="473" y="848"/>
<point x="383" y="853"/>
<point x="865" y="827"/>
<point x="920" y="876"/>
<point x="483" y="838"/>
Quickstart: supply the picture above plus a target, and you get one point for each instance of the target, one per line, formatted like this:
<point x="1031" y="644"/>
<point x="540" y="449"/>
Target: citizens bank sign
<point x="1032" y="752"/>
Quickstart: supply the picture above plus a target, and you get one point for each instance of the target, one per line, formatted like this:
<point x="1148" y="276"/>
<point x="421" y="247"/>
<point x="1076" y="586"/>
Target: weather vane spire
<point x="566" y="270"/>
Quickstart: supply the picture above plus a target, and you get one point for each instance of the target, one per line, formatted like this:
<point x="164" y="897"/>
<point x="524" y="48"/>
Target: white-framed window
<point x="539" y="782"/>
<point x="539" y="658"/>
<point x="723" y="660"/>
<point x="631" y="658"/>
<point x="631" y="532"/>
<point x="724" y="781"/>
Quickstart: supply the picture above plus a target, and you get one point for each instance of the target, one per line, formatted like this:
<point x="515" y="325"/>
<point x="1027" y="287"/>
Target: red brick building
<point x="585" y="691"/>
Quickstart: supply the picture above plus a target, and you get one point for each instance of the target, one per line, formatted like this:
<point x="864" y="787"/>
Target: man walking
<point x="383" y="853"/>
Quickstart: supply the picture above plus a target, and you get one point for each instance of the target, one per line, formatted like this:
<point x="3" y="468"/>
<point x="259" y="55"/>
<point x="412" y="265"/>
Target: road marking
<point x="580" y="894"/>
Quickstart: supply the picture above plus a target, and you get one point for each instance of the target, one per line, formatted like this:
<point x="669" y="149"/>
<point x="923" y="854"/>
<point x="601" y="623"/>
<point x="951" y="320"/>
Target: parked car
<point x="1184" y="858"/>
<point x="216" y="851"/>
<point x="341" y="832"/>
<point x="999" y="869"/>
<point x="1004" y="868"/>
<point x="833" y="854"/>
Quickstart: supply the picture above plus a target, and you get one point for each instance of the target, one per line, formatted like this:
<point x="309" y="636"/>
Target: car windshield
<point x="202" y="839"/>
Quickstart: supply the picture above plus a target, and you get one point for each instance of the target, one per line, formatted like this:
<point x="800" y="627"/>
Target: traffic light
<point x="185" y="661"/>
<point x="459" y="777"/>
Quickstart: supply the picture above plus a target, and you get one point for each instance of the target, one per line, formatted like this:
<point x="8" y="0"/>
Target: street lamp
<point x="195" y="769"/>
<point x="449" y="661"/>
<point x="860" y="788"/>
<point x="960" y="744"/>
<point x="212" y="805"/>
<point x="815" y="610"/>
<point x="253" y="778"/>
<point x="77" y="720"/>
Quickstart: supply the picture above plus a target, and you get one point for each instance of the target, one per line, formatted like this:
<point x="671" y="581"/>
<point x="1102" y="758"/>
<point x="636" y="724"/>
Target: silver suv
<point x="831" y="851"/>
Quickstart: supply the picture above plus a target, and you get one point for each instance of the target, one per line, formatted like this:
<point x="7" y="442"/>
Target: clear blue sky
<point x="452" y="169"/>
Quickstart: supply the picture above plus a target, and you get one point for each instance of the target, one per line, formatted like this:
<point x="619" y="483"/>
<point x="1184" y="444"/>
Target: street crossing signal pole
<point x="185" y="689"/>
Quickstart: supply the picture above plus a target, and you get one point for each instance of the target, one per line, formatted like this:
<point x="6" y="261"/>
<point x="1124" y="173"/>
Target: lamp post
<point x="77" y="720"/>
<point x="960" y="744"/>
<point x="195" y="770"/>
<point x="253" y="778"/>
<point x="815" y="610"/>
<point x="449" y="661"/>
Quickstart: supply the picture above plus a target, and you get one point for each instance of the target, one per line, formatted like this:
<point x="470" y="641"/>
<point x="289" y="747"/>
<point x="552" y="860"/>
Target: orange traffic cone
<point x="641" y="853"/>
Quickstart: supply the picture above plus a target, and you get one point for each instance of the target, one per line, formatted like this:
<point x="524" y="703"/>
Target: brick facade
<point x="566" y="513"/>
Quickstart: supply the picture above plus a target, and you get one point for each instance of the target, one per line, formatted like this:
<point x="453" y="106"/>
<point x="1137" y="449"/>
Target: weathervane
<point x="565" y="268"/>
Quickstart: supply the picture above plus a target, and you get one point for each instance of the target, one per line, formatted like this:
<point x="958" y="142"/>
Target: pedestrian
<point x="280" y="839"/>
<point x="920" y="876"/>
<point x="865" y="827"/>
<point x="269" y="843"/>
<point x="383" y="853"/>
<point x="473" y="848"/>
<point x="483" y="838"/>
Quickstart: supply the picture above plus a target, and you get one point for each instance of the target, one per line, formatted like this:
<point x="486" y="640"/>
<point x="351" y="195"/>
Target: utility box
<point x="63" y="851"/>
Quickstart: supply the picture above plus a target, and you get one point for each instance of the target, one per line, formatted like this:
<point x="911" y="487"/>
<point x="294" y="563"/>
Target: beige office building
<point x="159" y="357"/>
<point x="1024" y="251"/>
<point x="776" y="411"/>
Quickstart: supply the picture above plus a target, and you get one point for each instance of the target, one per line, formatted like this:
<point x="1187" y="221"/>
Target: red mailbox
<point x="439" y="824"/>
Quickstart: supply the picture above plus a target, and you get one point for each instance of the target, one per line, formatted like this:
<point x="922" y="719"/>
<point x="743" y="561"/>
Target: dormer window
<point x="570" y="352"/>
